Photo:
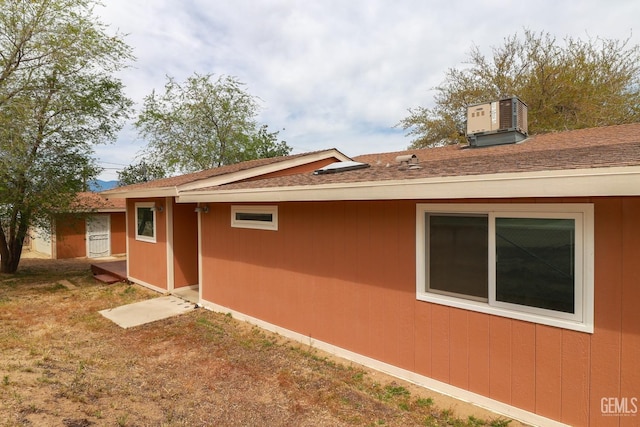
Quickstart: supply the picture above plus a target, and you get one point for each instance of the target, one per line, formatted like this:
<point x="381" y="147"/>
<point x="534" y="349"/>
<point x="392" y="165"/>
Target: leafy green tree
<point x="204" y="123"/>
<point x="259" y="145"/>
<point x="140" y="172"/>
<point x="570" y="85"/>
<point x="57" y="99"/>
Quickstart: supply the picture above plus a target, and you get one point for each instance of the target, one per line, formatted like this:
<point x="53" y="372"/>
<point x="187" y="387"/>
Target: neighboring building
<point x="95" y="230"/>
<point x="505" y="275"/>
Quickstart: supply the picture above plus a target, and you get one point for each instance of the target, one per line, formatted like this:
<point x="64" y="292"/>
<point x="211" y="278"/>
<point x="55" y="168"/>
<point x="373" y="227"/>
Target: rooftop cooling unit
<point x="499" y="122"/>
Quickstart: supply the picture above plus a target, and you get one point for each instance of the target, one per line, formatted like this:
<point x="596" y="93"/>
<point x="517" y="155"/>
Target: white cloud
<point x="334" y="73"/>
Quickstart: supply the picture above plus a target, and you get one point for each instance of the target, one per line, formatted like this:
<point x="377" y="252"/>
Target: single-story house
<point x="505" y="275"/>
<point x="95" y="228"/>
<point x="163" y="235"/>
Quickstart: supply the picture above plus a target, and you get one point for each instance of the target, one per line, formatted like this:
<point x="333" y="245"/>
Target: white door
<point x="98" y="241"/>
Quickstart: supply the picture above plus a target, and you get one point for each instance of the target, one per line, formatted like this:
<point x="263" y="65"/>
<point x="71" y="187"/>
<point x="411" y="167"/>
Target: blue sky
<point x="332" y="73"/>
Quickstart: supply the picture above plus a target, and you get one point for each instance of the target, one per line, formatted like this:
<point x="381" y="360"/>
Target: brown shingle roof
<point x="92" y="201"/>
<point x="208" y="173"/>
<point x="576" y="149"/>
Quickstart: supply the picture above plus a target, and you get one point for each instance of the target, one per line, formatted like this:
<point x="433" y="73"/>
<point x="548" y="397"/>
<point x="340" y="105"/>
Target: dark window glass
<point x="535" y="262"/>
<point x="145" y="222"/>
<point x="248" y="216"/>
<point x="458" y="255"/>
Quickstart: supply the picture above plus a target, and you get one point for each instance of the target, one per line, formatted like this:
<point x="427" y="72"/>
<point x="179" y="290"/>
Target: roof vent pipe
<point x="408" y="161"/>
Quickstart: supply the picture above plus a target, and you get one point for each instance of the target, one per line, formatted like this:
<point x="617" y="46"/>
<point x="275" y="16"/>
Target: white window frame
<point x="142" y="238"/>
<point x="582" y="213"/>
<point x="259" y="225"/>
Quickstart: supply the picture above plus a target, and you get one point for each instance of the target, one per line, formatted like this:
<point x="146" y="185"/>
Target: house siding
<point x="185" y="245"/>
<point x="147" y="262"/>
<point x="630" y="314"/>
<point x="616" y="341"/>
<point x="118" y="233"/>
<point x="71" y="235"/>
<point x="344" y="273"/>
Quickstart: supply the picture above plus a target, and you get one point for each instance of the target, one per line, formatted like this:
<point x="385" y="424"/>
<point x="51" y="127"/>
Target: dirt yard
<point x="63" y="364"/>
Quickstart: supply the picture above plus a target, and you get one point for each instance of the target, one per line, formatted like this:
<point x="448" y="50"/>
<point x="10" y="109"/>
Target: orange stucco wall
<point x="344" y="273"/>
<point x="185" y="245"/>
<point x="70" y="237"/>
<point x="118" y="233"/>
<point x="147" y="261"/>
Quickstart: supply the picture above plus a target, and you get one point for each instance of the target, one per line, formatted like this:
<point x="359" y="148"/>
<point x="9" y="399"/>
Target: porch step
<point x="110" y="272"/>
<point x="106" y="278"/>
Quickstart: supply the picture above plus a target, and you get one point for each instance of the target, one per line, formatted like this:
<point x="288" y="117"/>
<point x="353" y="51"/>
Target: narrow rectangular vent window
<point x="258" y="217"/>
<point x="254" y="216"/>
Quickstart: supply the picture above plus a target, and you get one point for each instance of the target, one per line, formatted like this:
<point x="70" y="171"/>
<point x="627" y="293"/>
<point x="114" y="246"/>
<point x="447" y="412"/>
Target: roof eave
<point x="140" y="193"/>
<point x="110" y="210"/>
<point x="612" y="181"/>
<point x="263" y="170"/>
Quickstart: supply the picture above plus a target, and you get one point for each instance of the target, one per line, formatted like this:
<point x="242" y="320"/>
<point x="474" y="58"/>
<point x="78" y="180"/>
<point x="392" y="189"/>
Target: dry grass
<point x="63" y="364"/>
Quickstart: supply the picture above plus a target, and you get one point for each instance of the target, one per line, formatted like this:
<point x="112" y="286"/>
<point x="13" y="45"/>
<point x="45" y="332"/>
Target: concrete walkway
<point x="140" y="313"/>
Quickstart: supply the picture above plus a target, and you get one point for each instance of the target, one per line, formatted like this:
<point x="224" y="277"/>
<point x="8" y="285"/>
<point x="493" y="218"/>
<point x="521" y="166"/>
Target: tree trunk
<point x="9" y="264"/>
<point x="11" y="249"/>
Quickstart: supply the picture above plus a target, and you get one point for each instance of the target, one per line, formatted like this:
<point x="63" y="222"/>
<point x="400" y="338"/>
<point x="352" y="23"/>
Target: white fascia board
<point x="110" y="210"/>
<point x="263" y="170"/>
<point x="615" y="181"/>
<point x="141" y="193"/>
<point x="97" y="210"/>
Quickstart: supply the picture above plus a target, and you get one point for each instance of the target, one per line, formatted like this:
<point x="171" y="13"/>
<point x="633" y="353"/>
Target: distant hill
<point x="100" y="185"/>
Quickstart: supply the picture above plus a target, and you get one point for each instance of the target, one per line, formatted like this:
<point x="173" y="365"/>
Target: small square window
<point x="145" y="222"/>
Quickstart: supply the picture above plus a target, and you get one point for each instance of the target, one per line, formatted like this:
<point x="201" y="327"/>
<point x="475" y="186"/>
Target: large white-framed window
<point x="259" y="217"/>
<point x="532" y="262"/>
<point x="145" y="221"/>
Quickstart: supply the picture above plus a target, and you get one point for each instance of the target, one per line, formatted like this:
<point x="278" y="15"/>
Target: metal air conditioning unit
<point x="498" y="122"/>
